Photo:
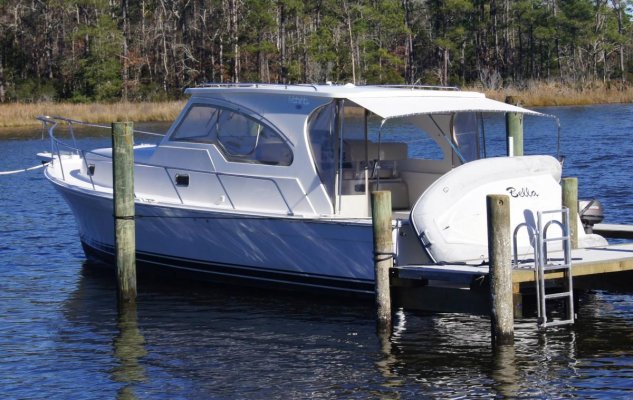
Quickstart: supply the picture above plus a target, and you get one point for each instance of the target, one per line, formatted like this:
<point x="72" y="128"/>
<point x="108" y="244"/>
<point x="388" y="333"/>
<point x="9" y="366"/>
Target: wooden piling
<point x="570" y="200"/>
<point x="514" y="129"/>
<point x="517" y="300"/>
<point x="123" y="186"/>
<point x="383" y="256"/>
<point x="500" y="256"/>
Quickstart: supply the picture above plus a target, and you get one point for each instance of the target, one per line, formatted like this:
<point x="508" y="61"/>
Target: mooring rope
<point x="17" y="171"/>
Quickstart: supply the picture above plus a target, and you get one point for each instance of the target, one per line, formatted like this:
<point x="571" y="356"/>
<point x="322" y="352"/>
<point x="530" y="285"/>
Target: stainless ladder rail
<point x="544" y="266"/>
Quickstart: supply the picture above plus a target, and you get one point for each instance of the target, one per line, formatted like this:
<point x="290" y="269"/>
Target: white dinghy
<point x="270" y="184"/>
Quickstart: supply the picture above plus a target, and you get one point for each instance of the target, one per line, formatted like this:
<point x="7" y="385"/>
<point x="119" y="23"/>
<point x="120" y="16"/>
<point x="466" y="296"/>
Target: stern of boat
<point x="449" y="219"/>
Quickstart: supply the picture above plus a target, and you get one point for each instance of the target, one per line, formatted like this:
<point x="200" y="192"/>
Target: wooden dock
<point x="499" y="287"/>
<point x="591" y="262"/>
<point x="464" y="287"/>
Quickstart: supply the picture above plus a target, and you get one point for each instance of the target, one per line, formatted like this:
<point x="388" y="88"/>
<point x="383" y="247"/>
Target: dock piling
<point x="383" y="256"/>
<point x="499" y="252"/>
<point x="570" y="200"/>
<point x="123" y="186"/>
<point x="514" y="129"/>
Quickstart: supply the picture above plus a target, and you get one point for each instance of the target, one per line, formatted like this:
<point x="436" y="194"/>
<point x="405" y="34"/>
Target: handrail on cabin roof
<point x="422" y="87"/>
<point x="316" y="87"/>
<point x="255" y="85"/>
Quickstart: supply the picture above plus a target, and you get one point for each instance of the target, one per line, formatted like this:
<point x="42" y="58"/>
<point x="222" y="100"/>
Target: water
<point x="62" y="337"/>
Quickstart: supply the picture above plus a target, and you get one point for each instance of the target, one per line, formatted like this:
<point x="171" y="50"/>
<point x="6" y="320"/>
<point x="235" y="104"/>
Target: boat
<point x="265" y="184"/>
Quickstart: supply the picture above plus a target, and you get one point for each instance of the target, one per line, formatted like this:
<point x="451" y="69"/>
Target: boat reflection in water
<point x="200" y="341"/>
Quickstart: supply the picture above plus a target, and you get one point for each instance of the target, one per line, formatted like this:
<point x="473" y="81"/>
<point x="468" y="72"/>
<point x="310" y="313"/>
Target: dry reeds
<point x="23" y="114"/>
<point x="532" y="95"/>
<point x="556" y="94"/>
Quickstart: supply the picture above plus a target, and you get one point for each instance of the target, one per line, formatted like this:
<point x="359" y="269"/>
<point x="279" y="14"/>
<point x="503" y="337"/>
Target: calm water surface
<point x="62" y="337"/>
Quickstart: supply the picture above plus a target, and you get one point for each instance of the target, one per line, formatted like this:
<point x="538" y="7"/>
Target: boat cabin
<point x="317" y="150"/>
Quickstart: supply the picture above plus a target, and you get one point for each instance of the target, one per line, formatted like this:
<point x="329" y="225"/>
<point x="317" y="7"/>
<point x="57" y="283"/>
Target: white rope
<point x="17" y="171"/>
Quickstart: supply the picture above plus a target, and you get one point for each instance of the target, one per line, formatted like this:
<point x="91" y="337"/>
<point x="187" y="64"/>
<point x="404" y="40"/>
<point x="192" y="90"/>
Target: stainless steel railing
<point x="52" y="122"/>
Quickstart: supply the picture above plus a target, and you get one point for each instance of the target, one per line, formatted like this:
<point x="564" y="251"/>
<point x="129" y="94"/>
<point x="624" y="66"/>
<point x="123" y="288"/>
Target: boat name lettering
<point x="522" y="192"/>
<point x="298" y="100"/>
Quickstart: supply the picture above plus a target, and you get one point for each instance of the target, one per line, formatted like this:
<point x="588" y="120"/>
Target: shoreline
<point x="18" y="115"/>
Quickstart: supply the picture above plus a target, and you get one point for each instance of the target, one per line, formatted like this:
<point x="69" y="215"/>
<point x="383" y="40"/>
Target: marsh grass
<point x="531" y="95"/>
<point x="556" y="94"/>
<point x="23" y="114"/>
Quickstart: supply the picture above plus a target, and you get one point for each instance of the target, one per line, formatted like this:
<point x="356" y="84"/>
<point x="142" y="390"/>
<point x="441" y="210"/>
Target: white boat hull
<point x="280" y="252"/>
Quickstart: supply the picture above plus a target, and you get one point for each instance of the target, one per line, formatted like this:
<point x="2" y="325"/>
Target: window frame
<point x="215" y="138"/>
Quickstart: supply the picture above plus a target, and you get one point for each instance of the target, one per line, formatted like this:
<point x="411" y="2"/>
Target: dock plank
<point x="593" y="261"/>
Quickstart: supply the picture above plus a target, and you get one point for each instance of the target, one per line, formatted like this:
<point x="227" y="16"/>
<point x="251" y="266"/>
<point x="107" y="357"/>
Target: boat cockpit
<point x="356" y="152"/>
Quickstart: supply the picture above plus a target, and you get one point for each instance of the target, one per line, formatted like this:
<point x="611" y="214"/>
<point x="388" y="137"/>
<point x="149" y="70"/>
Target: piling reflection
<point x="504" y="372"/>
<point x="128" y="349"/>
<point x="93" y="309"/>
<point x="387" y="360"/>
<point x="450" y="356"/>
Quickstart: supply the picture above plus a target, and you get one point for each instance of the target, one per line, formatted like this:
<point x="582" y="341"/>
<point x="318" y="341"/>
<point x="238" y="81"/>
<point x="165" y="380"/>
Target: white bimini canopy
<point x="402" y="106"/>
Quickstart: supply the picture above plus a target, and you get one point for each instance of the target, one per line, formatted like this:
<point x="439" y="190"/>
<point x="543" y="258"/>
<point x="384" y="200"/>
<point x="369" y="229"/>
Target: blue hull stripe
<point x="238" y="274"/>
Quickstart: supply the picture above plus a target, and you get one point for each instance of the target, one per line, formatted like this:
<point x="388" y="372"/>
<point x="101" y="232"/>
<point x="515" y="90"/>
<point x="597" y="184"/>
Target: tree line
<point x="106" y="50"/>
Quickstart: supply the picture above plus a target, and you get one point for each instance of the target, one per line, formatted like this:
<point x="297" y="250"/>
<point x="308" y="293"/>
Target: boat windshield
<point x="239" y="137"/>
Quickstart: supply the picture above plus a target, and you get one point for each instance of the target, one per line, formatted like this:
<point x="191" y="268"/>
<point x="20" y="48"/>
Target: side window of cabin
<point x="466" y="128"/>
<point x="199" y="125"/>
<point x="239" y="138"/>
<point x="322" y="131"/>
